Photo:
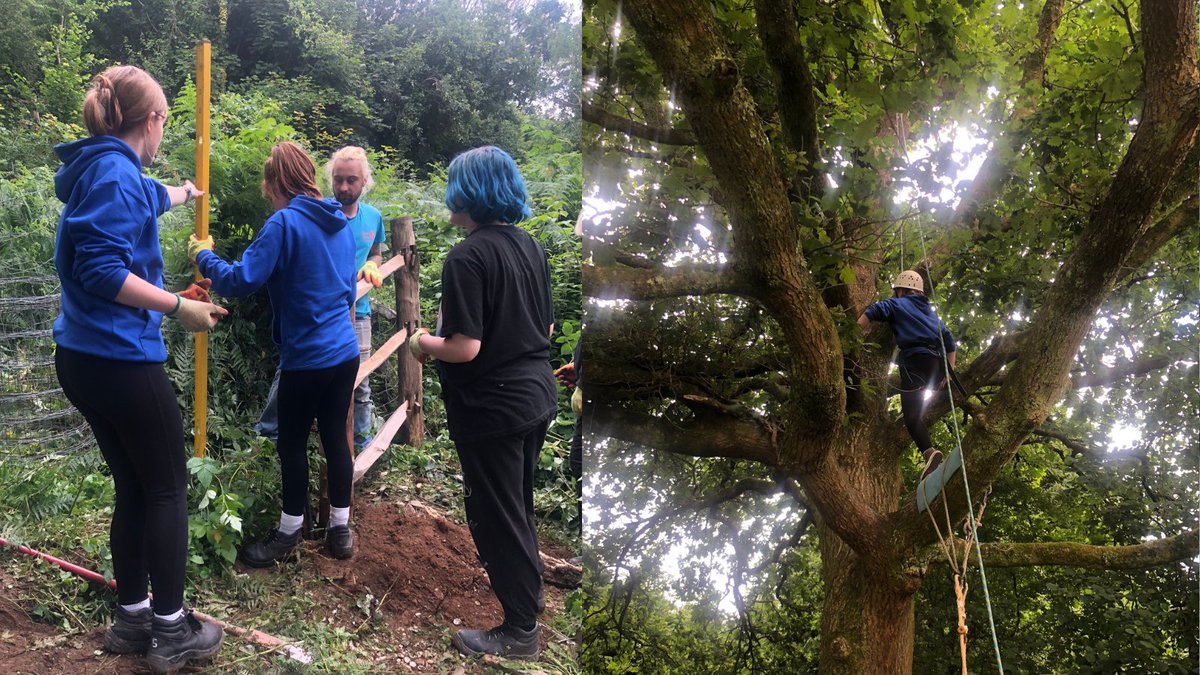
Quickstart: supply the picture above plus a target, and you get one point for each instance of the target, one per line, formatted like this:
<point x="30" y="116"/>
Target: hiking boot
<point x="339" y="542"/>
<point x="276" y="547"/>
<point x="933" y="457"/>
<point x="503" y="640"/>
<point x="174" y="643"/>
<point x="130" y="631"/>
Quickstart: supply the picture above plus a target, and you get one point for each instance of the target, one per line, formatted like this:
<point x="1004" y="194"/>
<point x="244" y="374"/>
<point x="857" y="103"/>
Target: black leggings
<point x="325" y="395"/>
<point x="918" y="372"/>
<point x="134" y="415"/>
<point x="498" y="485"/>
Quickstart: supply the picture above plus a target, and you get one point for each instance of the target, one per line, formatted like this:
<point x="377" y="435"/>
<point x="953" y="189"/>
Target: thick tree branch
<point x="1108" y="376"/>
<point x="604" y="119"/>
<point x="648" y="283"/>
<point x="1163" y="230"/>
<point x="1064" y="554"/>
<point x="779" y="30"/>
<point x="709" y="436"/>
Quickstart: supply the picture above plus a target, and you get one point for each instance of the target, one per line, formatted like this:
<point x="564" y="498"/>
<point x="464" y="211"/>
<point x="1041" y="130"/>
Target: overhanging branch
<point x="1064" y="554"/>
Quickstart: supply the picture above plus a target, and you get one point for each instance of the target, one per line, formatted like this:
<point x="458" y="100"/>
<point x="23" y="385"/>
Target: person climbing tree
<point x="493" y="359"/>
<point x="920" y="335"/>
<point x="304" y="254"/>
<point x="110" y="354"/>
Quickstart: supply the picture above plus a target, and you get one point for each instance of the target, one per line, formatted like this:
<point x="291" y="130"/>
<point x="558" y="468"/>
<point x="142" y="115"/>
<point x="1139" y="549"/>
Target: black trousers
<point x="325" y="395"/>
<point x="918" y="373"/>
<point x="134" y="415"/>
<point x="498" y="486"/>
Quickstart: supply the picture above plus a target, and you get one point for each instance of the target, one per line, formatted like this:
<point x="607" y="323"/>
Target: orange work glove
<point x="197" y="291"/>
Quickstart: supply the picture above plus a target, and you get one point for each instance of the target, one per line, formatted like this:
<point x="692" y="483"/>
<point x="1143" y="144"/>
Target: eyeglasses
<point x="163" y="115"/>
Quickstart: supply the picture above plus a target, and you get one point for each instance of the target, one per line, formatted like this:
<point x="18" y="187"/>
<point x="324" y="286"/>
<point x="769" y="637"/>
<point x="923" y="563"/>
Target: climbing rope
<point x="973" y="522"/>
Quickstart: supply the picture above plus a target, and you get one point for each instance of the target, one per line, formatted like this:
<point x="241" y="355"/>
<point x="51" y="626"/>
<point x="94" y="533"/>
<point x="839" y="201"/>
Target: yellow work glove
<point x="414" y="345"/>
<point x="577" y="401"/>
<point x="370" y="272"/>
<point x="196" y="245"/>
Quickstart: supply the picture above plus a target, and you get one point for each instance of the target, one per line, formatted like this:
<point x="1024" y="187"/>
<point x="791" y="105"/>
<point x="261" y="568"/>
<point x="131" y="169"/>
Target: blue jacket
<point x="917" y="328"/>
<point x="305" y="256"/>
<point x="108" y="229"/>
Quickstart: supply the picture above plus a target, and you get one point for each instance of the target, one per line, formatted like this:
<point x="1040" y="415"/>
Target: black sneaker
<point x="274" y="548"/>
<point x="130" y="631"/>
<point x="503" y="640"/>
<point x="933" y="457"/>
<point x="339" y="542"/>
<point x="174" y="643"/>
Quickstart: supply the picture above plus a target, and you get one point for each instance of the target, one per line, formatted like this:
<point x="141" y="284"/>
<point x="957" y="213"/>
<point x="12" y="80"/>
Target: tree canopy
<point x="759" y="173"/>
<point x="425" y="78"/>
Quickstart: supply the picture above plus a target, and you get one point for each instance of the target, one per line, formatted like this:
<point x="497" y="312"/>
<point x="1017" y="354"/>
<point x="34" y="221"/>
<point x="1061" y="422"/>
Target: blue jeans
<point x="362" y="394"/>
<point x="268" y="423"/>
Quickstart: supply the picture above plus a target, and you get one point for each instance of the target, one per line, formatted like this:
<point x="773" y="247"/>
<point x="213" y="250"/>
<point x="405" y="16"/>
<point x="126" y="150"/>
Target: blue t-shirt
<point x="108" y="229"/>
<point x="916" y="326"/>
<point x="367" y="226"/>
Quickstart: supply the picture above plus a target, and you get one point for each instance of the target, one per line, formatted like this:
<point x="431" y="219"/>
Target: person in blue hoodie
<point x="493" y="359"/>
<point x="110" y="354"/>
<point x="304" y="255"/>
<point x="921" y="337"/>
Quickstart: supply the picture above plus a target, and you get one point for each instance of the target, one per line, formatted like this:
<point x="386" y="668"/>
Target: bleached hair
<point x="351" y="152"/>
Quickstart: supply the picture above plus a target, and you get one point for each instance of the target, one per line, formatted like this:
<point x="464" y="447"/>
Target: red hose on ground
<point x="74" y="569"/>
<point x="257" y="637"/>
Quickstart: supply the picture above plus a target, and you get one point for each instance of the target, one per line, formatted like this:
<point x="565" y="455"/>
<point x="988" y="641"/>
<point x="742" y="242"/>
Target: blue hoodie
<point x="917" y="328"/>
<point x="107" y="231"/>
<point x="305" y="256"/>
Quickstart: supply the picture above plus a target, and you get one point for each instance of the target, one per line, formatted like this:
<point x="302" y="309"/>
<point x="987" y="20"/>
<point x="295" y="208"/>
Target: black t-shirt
<point x="496" y="288"/>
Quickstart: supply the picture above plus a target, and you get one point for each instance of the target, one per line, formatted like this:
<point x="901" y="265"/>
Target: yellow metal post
<point x="203" y="57"/>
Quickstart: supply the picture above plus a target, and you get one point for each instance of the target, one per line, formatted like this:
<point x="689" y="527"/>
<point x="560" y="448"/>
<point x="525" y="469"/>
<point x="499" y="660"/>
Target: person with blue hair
<point x="492" y="347"/>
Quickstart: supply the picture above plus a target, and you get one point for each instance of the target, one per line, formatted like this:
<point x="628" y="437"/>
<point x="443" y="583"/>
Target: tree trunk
<point x="866" y="623"/>
<point x="867" y="614"/>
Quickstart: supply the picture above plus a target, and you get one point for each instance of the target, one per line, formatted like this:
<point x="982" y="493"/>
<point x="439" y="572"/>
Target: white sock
<point x="137" y="606"/>
<point x="288" y="524"/>
<point x="170" y="617"/>
<point x="339" y="516"/>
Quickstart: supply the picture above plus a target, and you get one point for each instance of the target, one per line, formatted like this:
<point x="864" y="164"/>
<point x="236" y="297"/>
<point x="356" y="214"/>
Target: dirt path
<point x="414" y="579"/>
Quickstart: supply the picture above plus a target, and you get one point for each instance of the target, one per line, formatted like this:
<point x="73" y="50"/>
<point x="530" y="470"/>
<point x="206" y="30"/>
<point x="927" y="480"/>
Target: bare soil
<point x="414" y="577"/>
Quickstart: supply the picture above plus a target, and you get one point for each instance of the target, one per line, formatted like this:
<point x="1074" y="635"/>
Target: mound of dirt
<point x="419" y="567"/>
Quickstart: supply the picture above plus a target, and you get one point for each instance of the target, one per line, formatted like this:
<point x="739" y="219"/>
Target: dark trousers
<point x="498" y="486"/>
<point x="134" y="416"/>
<point x="918" y="373"/>
<point x="325" y="395"/>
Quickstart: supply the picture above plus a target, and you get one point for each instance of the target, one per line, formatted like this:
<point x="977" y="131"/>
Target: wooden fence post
<point x="408" y="319"/>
